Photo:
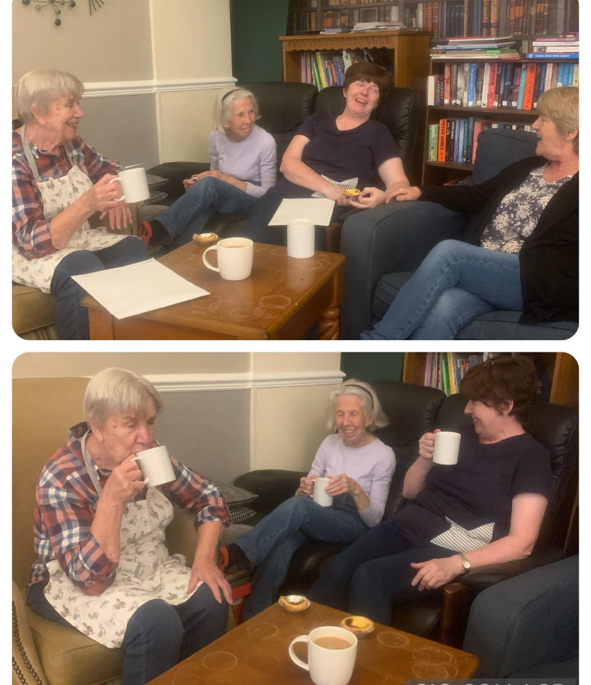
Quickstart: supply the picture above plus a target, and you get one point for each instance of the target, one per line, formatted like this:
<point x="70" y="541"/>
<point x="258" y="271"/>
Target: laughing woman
<point x="525" y="254"/>
<point x="58" y="183"/>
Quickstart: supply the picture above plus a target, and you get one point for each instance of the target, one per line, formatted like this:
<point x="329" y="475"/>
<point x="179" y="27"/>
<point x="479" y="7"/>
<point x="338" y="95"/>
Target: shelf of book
<point x="440" y="145"/>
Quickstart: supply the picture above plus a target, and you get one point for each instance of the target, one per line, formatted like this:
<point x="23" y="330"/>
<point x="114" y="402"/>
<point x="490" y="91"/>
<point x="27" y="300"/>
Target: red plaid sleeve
<point x="96" y="165"/>
<point x="192" y="491"/>
<point x="63" y="517"/>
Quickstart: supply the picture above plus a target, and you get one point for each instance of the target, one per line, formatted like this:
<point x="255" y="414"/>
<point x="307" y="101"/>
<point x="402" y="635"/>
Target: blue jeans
<point x="158" y="635"/>
<point x="207" y="195"/>
<point x="455" y="283"/>
<point x="71" y="320"/>
<point x="374" y="574"/>
<point x="271" y="544"/>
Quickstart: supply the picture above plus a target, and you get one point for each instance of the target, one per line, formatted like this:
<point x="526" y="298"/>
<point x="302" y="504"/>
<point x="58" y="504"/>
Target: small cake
<point x="351" y="192"/>
<point x="294" y="603"/>
<point x="205" y="238"/>
<point x="359" y="625"/>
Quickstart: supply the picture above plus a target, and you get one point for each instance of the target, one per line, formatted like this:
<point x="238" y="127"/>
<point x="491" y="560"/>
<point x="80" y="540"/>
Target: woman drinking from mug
<point x="486" y="509"/>
<point x="102" y="565"/>
<point x="243" y="167"/>
<point x="360" y="468"/>
<point x="58" y="183"/>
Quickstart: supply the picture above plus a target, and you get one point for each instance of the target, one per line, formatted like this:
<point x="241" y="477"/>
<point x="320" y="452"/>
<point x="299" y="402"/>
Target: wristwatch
<point x="465" y="563"/>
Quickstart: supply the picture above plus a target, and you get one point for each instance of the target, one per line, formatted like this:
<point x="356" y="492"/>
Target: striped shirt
<point x="66" y="502"/>
<point x="30" y="229"/>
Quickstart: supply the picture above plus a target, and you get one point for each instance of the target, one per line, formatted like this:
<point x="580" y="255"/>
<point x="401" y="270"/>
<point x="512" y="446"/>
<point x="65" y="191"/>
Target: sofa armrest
<point x="273" y="486"/>
<point x="176" y="173"/>
<point x="527" y="621"/>
<point x="26" y="667"/>
<point x="393" y="237"/>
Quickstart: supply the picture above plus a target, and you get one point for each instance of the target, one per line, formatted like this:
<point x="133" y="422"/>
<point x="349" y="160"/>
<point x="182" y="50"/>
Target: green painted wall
<point x="256" y="50"/>
<point x="373" y="366"/>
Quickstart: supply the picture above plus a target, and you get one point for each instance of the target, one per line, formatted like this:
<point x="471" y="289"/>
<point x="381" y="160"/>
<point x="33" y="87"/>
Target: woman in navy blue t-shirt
<point x="486" y="509"/>
<point x="331" y="154"/>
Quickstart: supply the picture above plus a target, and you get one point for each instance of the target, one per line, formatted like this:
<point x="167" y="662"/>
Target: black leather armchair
<point x="283" y="108"/>
<point x="414" y="410"/>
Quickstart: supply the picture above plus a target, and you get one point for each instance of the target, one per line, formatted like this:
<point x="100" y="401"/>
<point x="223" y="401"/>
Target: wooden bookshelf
<point x="439" y="173"/>
<point x="561" y="369"/>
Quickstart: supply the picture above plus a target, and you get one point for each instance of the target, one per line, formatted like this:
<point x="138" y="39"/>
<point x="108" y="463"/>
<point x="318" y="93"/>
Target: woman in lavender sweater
<point x="360" y="468"/>
<point x="243" y="167"/>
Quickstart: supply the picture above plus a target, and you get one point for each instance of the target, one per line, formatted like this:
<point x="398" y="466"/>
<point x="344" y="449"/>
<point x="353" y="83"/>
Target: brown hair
<point x="370" y="73"/>
<point x="502" y="379"/>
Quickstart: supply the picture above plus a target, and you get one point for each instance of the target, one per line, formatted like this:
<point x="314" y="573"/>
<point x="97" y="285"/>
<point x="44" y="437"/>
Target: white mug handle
<point x="117" y="199"/>
<point x="139" y="458"/>
<point x="207" y="264"/>
<point x="294" y="658"/>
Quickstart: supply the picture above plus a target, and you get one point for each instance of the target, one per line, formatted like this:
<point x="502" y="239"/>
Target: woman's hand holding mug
<point x="306" y="488"/>
<point x="427" y="444"/>
<point x="104" y="193"/>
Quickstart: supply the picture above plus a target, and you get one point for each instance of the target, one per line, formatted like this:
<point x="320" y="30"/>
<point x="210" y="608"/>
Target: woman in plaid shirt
<point x="58" y="183"/>
<point x="102" y="565"/>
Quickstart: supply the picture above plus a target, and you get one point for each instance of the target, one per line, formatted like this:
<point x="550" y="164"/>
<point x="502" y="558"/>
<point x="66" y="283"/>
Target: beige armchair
<point x="46" y="653"/>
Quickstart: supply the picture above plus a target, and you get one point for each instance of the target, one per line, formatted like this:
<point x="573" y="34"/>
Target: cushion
<point x="31" y="309"/>
<point x="235" y="496"/>
<point x="70" y="658"/>
<point x="497" y="325"/>
<point x="498" y="148"/>
<point x="239" y="514"/>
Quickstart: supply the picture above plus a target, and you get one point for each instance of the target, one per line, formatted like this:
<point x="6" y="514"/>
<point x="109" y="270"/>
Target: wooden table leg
<point x="101" y="325"/>
<point x="329" y="324"/>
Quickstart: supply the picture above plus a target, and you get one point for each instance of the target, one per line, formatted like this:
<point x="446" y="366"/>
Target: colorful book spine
<point x="442" y="140"/>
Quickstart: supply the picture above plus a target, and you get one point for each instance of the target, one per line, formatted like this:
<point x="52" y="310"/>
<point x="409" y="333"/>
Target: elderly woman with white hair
<point x="102" y="565"/>
<point x="360" y="467"/>
<point x="523" y="251"/>
<point x="58" y="183"/>
<point x="243" y="167"/>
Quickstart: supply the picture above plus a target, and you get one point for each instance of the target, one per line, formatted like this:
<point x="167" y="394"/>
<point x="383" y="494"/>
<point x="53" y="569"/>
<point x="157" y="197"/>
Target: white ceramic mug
<point x="300" y="238"/>
<point x="320" y="496"/>
<point x="155" y="466"/>
<point x="447" y="448"/>
<point x="327" y="666"/>
<point x="134" y="184"/>
<point x="234" y="258"/>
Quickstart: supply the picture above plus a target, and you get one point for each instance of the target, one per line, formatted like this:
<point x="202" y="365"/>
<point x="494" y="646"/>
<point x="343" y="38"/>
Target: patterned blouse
<point x="519" y="212"/>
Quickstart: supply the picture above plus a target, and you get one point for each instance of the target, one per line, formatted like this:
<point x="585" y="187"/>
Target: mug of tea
<point x="320" y="496"/>
<point x="447" y="448"/>
<point x="155" y="466"/>
<point x="331" y="655"/>
<point x="134" y="184"/>
<point x="234" y="258"/>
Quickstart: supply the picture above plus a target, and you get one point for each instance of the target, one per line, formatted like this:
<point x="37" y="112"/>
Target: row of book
<point x="509" y="85"/>
<point x="565" y="46"/>
<point x="359" y="19"/>
<point x="445" y="370"/>
<point x="456" y="140"/>
<point x="324" y="69"/>
<point x="536" y="17"/>
<point x="354" y="2"/>
<point x="483" y="17"/>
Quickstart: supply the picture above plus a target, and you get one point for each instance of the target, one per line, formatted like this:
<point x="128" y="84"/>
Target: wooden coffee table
<point x="282" y="299"/>
<point x="256" y="653"/>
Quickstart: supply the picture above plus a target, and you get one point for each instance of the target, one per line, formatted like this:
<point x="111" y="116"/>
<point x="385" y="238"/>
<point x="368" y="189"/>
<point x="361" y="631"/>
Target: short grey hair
<point x="224" y="103"/>
<point x="369" y="402"/>
<point x="561" y="106"/>
<point x="117" y="390"/>
<point x="40" y="87"/>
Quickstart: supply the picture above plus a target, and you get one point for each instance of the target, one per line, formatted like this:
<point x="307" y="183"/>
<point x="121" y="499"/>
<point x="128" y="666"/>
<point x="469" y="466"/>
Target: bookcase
<point x="560" y="369"/>
<point x="526" y="18"/>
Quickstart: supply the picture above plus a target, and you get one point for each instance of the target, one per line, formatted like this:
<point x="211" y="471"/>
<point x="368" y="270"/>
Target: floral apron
<point x="57" y="194"/>
<point x="146" y="571"/>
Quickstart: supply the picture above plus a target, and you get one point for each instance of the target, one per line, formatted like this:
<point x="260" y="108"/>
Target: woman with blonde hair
<point x="360" y="467"/>
<point x="243" y="167"/>
<point x="523" y="254"/>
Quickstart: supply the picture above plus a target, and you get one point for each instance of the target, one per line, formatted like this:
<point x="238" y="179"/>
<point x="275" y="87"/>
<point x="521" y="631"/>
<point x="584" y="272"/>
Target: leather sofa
<point x="385" y="245"/>
<point x="528" y="626"/>
<point x="283" y="108"/>
<point x="414" y="410"/>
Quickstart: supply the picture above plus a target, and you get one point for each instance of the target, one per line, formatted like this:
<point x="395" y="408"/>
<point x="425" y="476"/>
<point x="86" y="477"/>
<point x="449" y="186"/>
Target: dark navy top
<point x="341" y="155"/>
<point x="466" y="506"/>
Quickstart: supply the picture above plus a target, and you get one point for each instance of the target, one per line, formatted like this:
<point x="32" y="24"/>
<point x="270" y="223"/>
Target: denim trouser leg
<point x="273" y="541"/>
<point x="488" y="275"/>
<point x="71" y="320"/>
<point x="209" y="193"/>
<point x="204" y="620"/>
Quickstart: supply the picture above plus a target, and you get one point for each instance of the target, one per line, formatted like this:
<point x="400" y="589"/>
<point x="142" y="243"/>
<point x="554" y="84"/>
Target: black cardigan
<point x="549" y="257"/>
